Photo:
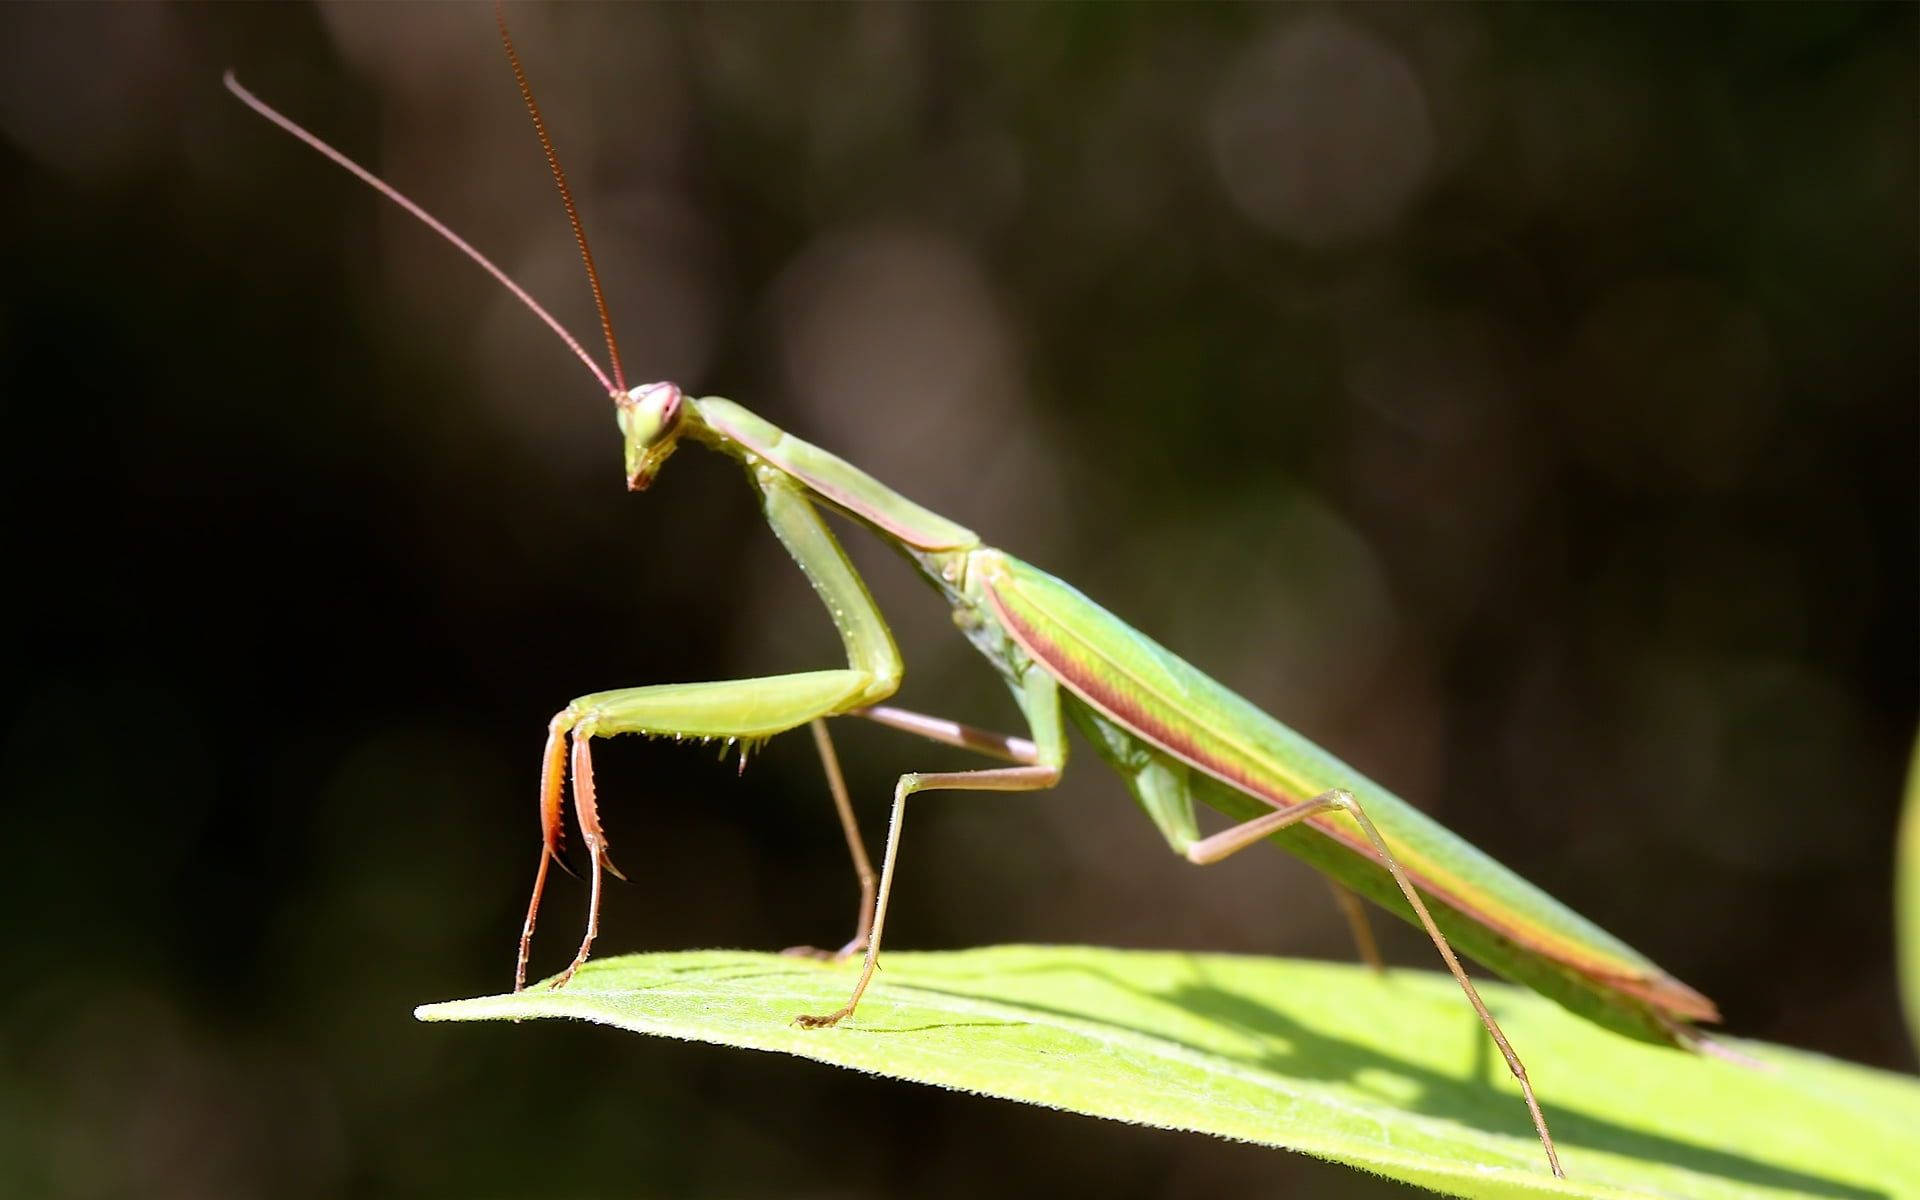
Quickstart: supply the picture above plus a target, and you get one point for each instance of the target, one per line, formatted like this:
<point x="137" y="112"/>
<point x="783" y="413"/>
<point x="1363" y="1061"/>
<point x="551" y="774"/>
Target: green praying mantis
<point x="1173" y="735"/>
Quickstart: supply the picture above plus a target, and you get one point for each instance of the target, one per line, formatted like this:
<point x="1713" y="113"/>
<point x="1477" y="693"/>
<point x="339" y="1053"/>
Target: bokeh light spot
<point x="1322" y="134"/>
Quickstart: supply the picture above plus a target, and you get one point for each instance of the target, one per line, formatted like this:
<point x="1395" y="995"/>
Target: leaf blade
<point x="1391" y="1075"/>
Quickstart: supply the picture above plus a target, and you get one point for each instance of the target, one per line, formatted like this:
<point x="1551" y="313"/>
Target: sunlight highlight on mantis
<point x="1172" y="734"/>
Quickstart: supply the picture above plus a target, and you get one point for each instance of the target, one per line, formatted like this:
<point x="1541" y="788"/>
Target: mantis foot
<point x="566" y="976"/>
<point x="832" y="1018"/>
<point x="853" y="948"/>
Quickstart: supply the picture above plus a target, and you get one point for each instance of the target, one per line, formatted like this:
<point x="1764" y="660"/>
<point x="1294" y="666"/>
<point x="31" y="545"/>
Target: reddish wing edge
<point x="1662" y="993"/>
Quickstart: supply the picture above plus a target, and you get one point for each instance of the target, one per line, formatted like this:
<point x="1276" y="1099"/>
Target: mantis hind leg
<point x="1165" y="787"/>
<point x="1230" y="841"/>
<point x="1356" y="915"/>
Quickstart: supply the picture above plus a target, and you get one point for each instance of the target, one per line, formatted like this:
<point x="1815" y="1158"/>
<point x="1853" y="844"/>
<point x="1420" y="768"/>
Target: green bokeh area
<point x="1382" y="1073"/>
<point x="1518" y="400"/>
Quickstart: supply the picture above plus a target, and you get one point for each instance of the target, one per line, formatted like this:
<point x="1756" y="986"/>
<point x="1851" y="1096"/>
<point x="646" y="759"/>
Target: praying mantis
<point x="1175" y="737"/>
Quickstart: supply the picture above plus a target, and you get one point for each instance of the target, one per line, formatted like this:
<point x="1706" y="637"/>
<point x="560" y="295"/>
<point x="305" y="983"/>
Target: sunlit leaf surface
<point x="1391" y="1075"/>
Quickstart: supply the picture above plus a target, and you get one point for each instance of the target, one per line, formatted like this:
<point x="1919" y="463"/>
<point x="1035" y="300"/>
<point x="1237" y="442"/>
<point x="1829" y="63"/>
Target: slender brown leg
<point x="1356" y="915"/>
<point x="856" y="846"/>
<point x="1229" y="841"/>
<point x="1003" y="746"/>
<point x="993" y="779"/>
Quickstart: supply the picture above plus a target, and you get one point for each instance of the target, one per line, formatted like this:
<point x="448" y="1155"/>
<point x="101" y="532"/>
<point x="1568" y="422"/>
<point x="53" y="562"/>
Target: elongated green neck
<point x="731" y="429"/>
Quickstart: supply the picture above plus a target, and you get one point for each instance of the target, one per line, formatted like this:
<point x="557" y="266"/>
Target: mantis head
<point x="652" y="416"/>
<point x="650" y="421"/>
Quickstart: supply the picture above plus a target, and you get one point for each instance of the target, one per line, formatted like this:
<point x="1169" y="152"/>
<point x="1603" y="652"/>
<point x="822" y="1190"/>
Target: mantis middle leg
<point x="1040" y="703"/>
<point x="743" y="710"/>
<point x="947" y="732"/>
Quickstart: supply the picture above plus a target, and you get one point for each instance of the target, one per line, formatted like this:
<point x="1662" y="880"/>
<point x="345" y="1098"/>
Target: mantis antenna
<point x="430" y="221"/>
<point x="566" y="193"/>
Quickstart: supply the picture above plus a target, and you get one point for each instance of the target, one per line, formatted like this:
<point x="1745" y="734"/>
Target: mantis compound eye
<point x="650" y="422"/>
<point x="661" y="401"/>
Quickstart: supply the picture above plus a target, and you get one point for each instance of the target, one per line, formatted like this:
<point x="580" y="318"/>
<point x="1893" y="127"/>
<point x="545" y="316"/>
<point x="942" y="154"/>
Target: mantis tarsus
<point x="1173" y="735"/>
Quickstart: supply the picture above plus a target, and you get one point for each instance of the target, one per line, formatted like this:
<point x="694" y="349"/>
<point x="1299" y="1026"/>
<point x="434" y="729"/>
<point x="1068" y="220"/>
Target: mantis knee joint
<point x="581" y="722"/>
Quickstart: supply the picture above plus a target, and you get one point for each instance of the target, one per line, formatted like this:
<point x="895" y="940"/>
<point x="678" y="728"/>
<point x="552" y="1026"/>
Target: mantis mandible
<point x="1171" y="733"/>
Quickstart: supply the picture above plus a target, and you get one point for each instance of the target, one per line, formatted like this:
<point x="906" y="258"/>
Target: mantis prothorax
<point x="1173" y="735"/>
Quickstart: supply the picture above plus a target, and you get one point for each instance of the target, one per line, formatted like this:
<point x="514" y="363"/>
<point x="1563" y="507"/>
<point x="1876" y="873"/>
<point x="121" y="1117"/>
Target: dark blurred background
<point x="1518" y="400"/>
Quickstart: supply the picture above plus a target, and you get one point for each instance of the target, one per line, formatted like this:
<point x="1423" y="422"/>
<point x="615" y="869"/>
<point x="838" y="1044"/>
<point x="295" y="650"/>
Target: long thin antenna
<point x="432" y="222"/>
<point x="566" y="193"/>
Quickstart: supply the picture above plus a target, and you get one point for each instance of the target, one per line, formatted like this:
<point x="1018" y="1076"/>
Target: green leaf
<point x="1390" y="1074"/>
